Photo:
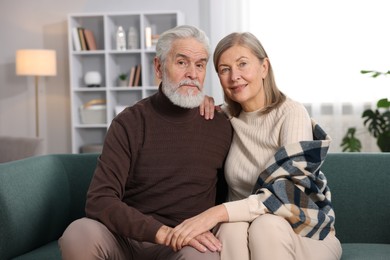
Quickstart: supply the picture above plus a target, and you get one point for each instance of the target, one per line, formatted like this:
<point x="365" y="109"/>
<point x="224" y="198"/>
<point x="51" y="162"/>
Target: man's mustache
<point x="189" y="82"/>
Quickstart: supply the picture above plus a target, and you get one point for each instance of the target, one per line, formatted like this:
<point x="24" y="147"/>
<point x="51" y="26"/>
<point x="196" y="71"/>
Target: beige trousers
<point x="272" y="237"/>
<point x="87" y="239"/>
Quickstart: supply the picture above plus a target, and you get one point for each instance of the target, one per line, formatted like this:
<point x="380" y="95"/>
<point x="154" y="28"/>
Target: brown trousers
<point x="88" y="239"/>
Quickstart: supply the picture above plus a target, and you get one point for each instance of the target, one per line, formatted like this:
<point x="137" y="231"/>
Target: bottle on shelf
<point x="120" y="39"/>
<point x="132" y="38"/>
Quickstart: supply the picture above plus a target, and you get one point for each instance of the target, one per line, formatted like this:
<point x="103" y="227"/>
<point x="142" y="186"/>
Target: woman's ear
<point x="265" y="67"/>
<point x="157" y="68"/>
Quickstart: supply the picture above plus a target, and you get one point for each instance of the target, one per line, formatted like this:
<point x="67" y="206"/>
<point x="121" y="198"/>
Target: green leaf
<point x="384" y="103"/>
<point x="374" y="73"/>
<point x="349" y="142"/>
<point x="374" y="122"/>
<point x="383" y="142"/>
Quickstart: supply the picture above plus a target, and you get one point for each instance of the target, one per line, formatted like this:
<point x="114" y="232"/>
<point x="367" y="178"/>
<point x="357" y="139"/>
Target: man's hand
<point x="206" y="109"/>
<point x="162" y="234"/>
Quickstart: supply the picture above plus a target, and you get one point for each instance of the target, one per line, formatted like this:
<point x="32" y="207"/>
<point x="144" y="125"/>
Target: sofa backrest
<point x="39" y="197"/>
<point x="359" y="184"/>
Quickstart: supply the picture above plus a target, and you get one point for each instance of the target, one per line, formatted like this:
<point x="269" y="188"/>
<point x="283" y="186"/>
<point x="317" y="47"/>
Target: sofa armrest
<point x="16" y="148"/>
<point x="39" y="197"/>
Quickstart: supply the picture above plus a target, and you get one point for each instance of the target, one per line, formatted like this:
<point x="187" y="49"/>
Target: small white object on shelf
<point x="120" y="39"/>
<point x="132" y="38"/>
<point x="148" y="37"/>
<point x="93" y="79"/>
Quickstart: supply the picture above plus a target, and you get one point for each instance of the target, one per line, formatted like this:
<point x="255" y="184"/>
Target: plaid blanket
<point x="293" y="187"/>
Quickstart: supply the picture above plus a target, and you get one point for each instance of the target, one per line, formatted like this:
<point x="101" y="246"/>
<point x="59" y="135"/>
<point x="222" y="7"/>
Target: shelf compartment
<point x="81" y="98"/>
<point x="126" y="21"/>
<point x="122" y="63"/>
<point x="120" y="99"/>
<point x="94" y="23"/>
<point x="81" y="64"/>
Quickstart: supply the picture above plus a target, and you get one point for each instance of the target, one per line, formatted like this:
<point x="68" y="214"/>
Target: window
<point x="317" y="48"/>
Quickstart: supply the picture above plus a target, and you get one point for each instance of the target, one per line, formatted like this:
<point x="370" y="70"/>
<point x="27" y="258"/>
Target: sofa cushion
<point x="47" y="252"/>
<point x="359" y="183"/>
<point x="361" y="251"/>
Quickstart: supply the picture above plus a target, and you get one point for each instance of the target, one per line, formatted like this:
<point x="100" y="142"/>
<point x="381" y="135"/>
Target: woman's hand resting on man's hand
<point x="202" y="242"/>
<point x="191" y="228"/>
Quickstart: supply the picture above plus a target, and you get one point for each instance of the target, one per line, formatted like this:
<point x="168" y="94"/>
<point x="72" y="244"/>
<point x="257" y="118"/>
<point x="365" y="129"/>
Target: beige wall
<point x="43" y="24"/>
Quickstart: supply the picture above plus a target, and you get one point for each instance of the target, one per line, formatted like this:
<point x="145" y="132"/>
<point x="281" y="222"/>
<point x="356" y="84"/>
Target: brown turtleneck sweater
<point x="158" y="166"/>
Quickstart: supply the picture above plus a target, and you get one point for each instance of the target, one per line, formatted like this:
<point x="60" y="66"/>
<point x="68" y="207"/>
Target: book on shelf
<point x="135" y="76"/>
<point x="131" y="76"/>
<point x="90" y="40"/>
<point x="82" y="38"/>
<point x="76" y="39"/>
<point x="137" y="79"/>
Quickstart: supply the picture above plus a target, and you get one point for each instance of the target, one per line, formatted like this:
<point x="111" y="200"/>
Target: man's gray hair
<point x="166" y="39"/>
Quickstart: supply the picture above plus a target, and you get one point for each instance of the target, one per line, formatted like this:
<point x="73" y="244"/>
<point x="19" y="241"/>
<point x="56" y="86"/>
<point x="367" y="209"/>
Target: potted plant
<point x="350" y="142"/>
<point x="376" y="121"/>
<point x="122" y="80"/>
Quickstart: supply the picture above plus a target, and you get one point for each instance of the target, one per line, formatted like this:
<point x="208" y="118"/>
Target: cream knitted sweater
<point x="256" y="138"/>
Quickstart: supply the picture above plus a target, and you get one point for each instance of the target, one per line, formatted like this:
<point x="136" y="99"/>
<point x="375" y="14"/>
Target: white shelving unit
<point x="110" y="62"/>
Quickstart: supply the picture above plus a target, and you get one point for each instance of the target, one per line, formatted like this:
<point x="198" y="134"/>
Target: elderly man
<point x="158" y="167"/>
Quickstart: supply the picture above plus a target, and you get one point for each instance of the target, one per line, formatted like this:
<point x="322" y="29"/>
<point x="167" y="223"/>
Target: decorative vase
<point x="122" y="82"/>
<point x="120" y="39"/>
<point x="132" y="38"/>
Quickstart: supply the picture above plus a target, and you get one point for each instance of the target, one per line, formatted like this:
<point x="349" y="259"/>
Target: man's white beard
<point x="185" y="100"/>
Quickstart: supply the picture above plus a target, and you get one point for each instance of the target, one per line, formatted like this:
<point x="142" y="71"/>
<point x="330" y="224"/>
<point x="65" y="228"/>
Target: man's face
<point x="183" y="72"/>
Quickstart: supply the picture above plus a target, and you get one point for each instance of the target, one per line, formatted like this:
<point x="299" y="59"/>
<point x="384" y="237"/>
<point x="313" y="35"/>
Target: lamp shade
<point x="36" y="62"/>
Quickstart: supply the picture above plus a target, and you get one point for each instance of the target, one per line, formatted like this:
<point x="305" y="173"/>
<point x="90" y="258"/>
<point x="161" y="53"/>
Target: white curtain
<point x="317" y="49"/>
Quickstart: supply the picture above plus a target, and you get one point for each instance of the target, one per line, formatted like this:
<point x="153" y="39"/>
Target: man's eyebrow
<point x="180" y="55"/>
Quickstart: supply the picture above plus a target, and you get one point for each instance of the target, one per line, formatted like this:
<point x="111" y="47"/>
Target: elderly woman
<point x="278" y="201"/>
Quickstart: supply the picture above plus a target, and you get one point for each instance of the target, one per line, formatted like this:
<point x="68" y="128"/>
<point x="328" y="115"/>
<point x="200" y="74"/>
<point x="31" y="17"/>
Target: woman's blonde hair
<point x="273" y="96"/>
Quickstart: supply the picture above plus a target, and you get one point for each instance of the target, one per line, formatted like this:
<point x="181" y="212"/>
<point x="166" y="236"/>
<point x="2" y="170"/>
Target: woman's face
<point x="241" y="75"/>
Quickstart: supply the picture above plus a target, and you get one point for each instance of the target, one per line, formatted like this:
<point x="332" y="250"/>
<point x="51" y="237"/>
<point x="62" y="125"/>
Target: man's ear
<point x="157" y="68"/>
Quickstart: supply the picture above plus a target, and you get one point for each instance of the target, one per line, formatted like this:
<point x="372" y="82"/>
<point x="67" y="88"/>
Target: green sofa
<point x="40" y="196"/>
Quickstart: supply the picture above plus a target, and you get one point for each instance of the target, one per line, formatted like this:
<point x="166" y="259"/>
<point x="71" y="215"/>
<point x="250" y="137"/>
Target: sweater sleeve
<point x="296" y="125"/>
<point x="246" y="209"/>
<point x="104" y="199"/>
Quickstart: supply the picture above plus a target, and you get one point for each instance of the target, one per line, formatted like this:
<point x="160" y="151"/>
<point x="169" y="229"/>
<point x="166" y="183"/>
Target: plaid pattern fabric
<point x="293" y="187"/>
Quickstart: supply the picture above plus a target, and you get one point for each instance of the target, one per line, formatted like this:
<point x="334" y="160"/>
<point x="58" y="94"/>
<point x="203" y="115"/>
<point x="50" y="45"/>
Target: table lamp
<point x="36" y="63"/>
